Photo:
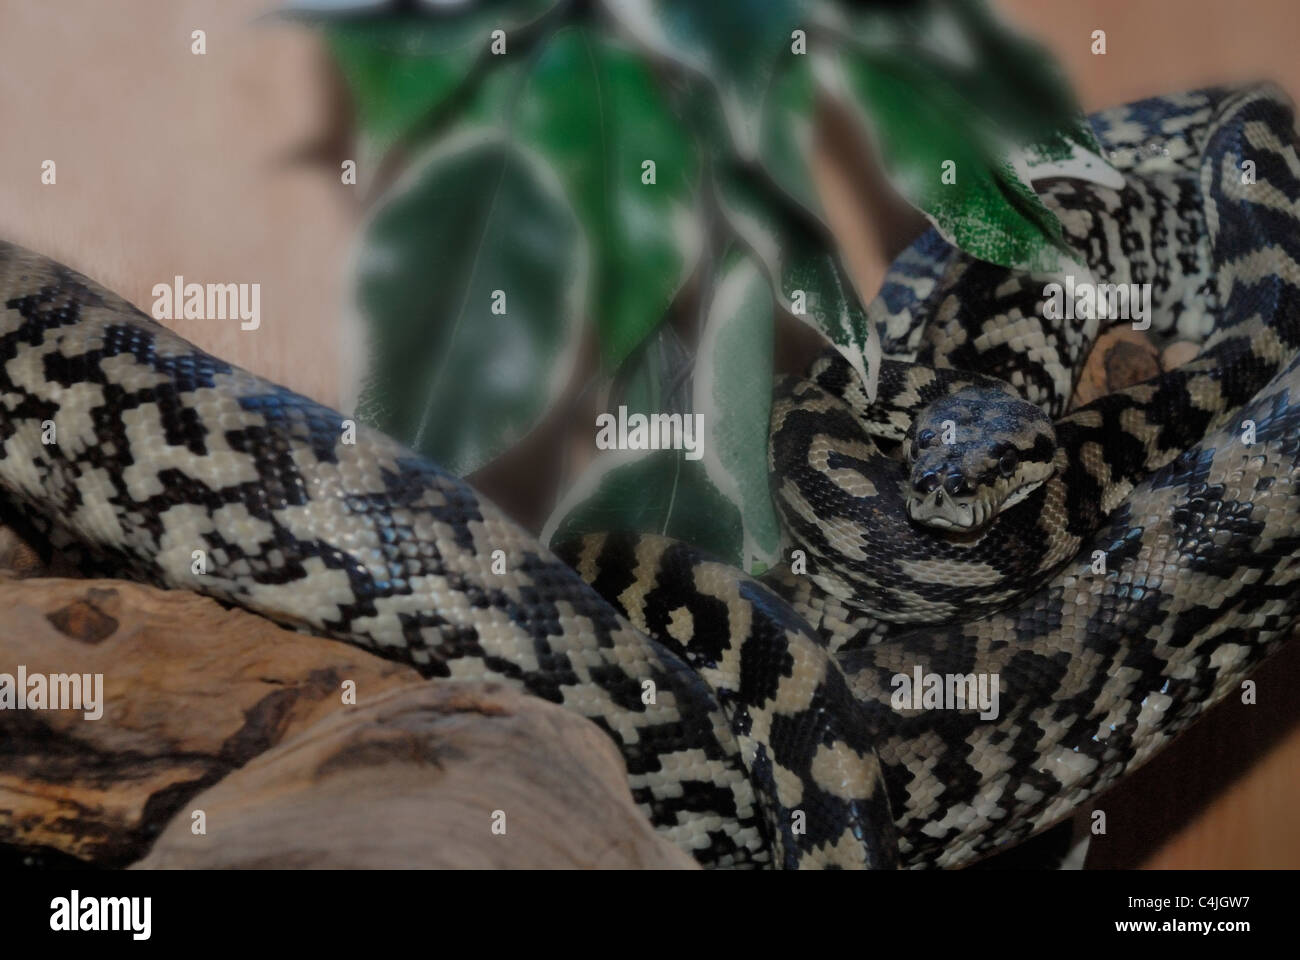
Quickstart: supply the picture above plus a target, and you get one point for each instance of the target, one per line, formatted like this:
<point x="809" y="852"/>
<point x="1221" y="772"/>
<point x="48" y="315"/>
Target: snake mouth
<point x="943" y="511"/>
<point x="940" y="510"/>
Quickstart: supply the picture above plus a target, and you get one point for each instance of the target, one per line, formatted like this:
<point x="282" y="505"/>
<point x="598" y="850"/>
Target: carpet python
<point x="770" y="737"/>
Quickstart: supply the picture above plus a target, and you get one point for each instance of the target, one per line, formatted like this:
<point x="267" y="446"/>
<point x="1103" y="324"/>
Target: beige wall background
<point x="170" y="163"/>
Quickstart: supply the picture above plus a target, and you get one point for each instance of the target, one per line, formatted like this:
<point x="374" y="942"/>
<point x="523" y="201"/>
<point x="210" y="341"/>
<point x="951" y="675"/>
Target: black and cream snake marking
<point x="769" y="736"/>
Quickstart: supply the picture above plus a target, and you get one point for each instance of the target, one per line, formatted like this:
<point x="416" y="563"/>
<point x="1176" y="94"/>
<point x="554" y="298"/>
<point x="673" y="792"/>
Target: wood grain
<point x="219" y="712"/>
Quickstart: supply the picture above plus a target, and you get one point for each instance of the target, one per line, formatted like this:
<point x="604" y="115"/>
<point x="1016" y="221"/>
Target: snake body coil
<point x="771" y="736"/>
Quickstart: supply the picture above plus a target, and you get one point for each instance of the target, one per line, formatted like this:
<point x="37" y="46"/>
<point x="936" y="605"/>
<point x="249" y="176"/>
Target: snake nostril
<point x="927" y="482"/>
<point x="956" y="485"/>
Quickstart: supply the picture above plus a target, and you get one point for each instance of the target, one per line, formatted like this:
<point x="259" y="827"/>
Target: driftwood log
<point x="226" y="741"/>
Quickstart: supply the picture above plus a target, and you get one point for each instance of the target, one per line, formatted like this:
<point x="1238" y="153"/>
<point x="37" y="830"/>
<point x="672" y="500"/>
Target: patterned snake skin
<point x="755" y="730"/>
<point x="862" y="542"/>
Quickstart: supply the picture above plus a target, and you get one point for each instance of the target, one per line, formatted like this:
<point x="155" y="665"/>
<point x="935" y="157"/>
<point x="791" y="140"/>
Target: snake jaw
<point x="941" y="511"/>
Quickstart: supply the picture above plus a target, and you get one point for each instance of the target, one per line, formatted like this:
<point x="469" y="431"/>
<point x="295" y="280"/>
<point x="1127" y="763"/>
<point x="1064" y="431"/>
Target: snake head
<point x="972" y="454"/>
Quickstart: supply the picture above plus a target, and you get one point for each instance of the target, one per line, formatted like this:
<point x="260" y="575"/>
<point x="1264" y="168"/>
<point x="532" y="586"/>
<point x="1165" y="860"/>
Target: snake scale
<point x="770" y="737"/>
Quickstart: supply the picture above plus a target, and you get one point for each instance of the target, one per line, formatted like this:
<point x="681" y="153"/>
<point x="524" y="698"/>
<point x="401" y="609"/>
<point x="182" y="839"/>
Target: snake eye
<point x="923" y="438"/>
<point x="1008" y="462"/>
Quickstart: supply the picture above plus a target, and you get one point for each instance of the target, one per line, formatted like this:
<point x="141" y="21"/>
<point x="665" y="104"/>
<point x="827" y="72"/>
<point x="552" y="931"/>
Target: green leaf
<point x="804" y="271"/>
<point x="658" y="491"/>
<point x="986" y="210"/>
<point x="733" y="389"/>
<point x="654" y="377"/>
<point x="950" y="82"/>
<point x="593" y="109"/>
<point x="447" y="374"/>
<point x="786" y="130"/>
<point x="737" y="44"/>
<point x="401" y="68"/>
<point x="719" y="498"/>
<point x="1016" y="84"/>
<point x="1007" y="83"/>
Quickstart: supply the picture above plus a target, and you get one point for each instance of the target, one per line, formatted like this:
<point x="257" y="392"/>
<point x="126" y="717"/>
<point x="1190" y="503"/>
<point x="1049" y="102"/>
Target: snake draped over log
<point x="770" y="735"/>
